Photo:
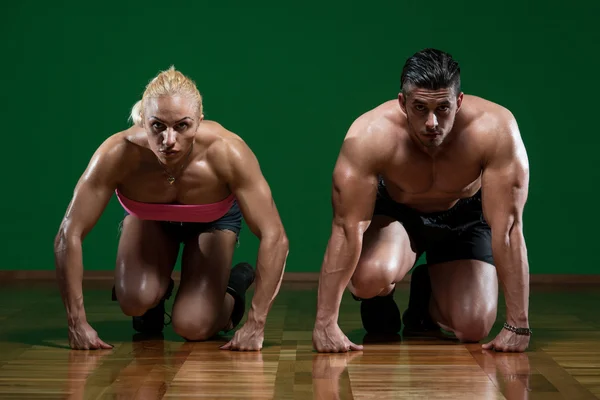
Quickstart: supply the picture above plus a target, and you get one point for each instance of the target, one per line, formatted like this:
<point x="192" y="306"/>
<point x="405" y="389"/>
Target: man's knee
<point x="373" y="279"/>
<point x="473" y="328"/>
<point x="465" y="298"/>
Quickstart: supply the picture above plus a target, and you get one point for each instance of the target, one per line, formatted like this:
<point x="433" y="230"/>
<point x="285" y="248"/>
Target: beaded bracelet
<point x="518" y="331"/>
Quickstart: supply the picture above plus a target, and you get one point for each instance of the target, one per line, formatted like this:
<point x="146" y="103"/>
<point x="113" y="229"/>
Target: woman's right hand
<point x="83" y="337"/>
<point x="331" y="339"/>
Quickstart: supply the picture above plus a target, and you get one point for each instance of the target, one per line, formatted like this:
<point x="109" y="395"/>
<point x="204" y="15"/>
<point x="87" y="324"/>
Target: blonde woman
<point x="181" y="181"/>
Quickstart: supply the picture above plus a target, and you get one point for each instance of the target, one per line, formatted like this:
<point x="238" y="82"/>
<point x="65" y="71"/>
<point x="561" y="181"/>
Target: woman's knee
<point x="135" y="300"/>
<point x="193" y="329"/>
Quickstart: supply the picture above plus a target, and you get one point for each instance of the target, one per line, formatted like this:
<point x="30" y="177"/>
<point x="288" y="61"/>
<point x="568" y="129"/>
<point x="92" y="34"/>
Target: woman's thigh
<point x="145" y="259"/>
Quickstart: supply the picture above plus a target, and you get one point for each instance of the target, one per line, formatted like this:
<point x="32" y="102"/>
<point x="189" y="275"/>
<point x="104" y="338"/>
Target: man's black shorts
<point x="460" y="233"/>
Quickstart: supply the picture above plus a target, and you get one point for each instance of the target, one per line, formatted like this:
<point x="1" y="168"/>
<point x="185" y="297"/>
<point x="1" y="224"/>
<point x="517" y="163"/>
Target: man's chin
<point x="432" y="141"/>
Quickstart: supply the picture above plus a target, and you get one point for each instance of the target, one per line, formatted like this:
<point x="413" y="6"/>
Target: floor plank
<point x="35" y="362"/>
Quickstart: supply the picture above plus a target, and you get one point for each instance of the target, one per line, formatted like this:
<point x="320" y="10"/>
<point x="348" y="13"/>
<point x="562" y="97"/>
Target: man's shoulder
<point x="495" y="126"/>
<point x="379" y="126"/>
<point x="373" y="137"/>
<point x="487" y="116"/>
<point x="384" y="115"/>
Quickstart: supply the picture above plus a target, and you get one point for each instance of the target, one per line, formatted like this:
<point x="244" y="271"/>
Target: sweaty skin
<point x="219" y="163"/>
<point x="474" y="144"/>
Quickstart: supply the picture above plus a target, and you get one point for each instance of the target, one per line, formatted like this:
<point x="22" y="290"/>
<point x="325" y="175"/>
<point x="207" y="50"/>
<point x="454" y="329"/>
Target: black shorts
<point x="182" y="231"/>
<point x="460" y="233"/>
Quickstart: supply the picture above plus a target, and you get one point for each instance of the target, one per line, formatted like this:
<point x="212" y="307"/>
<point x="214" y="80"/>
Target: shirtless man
<point x="435" y="172"/>
<point x="181" y="180"/>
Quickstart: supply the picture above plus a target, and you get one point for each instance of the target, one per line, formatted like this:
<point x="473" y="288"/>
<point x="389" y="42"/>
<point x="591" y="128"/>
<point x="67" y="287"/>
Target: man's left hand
<point x="248" y="338"/>
<point x="507" y="341"/>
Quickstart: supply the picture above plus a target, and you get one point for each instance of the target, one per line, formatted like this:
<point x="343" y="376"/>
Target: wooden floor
<point x="562" y="363"/>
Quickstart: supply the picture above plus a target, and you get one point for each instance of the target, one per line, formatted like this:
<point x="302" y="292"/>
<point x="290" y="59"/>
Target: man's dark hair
<point x="431" y="69"/>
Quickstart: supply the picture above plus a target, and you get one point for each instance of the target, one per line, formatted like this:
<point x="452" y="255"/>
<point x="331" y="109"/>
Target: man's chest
<point x="455" y="172"/>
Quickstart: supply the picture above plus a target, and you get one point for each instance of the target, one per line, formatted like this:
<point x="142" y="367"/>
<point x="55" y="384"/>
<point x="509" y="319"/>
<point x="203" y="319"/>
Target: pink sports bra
<point x="176" y="212"/>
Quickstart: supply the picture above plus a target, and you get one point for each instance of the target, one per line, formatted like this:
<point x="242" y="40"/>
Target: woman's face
<point x="171" y="123"/>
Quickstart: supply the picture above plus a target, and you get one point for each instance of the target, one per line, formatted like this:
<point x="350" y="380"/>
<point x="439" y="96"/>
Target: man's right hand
<point x="331" y="339"/>
<point x="366" y="149"/>
<point x="83" y="337"/>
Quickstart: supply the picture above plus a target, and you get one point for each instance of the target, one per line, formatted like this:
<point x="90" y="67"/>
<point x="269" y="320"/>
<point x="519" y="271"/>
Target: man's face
<point x="430" y="113"/>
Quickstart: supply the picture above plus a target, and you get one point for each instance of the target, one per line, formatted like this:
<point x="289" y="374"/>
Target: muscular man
<point x="181" y="180"/>
<point x="435" y="172"/>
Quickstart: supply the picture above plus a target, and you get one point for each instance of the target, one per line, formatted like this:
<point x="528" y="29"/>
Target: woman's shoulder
<point x="122" y="149"/>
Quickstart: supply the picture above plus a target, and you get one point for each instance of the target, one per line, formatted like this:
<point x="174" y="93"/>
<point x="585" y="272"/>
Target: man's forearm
<point x="272" y="254"/>
<point x="510" y="257"/>
<point x="69" y="274"/>
<point x="341" y="257"/>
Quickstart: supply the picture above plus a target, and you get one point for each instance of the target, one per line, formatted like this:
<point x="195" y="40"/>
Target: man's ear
<point x="402" y="101"/>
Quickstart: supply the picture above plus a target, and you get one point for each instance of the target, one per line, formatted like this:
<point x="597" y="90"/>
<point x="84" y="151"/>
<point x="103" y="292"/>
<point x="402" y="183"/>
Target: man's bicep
<point x="354" y="190"/>
<point x="505" y="185"/>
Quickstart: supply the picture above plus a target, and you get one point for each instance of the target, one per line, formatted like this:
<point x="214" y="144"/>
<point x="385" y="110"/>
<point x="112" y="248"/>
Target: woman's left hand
<point x="248" y="338"/>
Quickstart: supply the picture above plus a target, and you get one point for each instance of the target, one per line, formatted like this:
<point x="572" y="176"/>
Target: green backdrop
<point x="290" y="78"/>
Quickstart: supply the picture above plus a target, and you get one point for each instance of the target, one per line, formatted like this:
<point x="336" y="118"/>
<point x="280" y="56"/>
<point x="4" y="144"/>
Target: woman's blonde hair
<point x="167" y="83"/>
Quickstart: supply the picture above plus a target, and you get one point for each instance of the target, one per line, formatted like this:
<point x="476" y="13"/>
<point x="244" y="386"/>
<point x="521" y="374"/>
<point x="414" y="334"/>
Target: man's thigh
<point x="385" y="258"/>
<point x="465" y="290"/>
<point x="464" y="283"/>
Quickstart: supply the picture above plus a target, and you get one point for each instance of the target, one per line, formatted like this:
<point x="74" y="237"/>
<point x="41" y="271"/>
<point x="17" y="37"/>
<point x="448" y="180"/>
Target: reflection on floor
<point x="562" y="363"/>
